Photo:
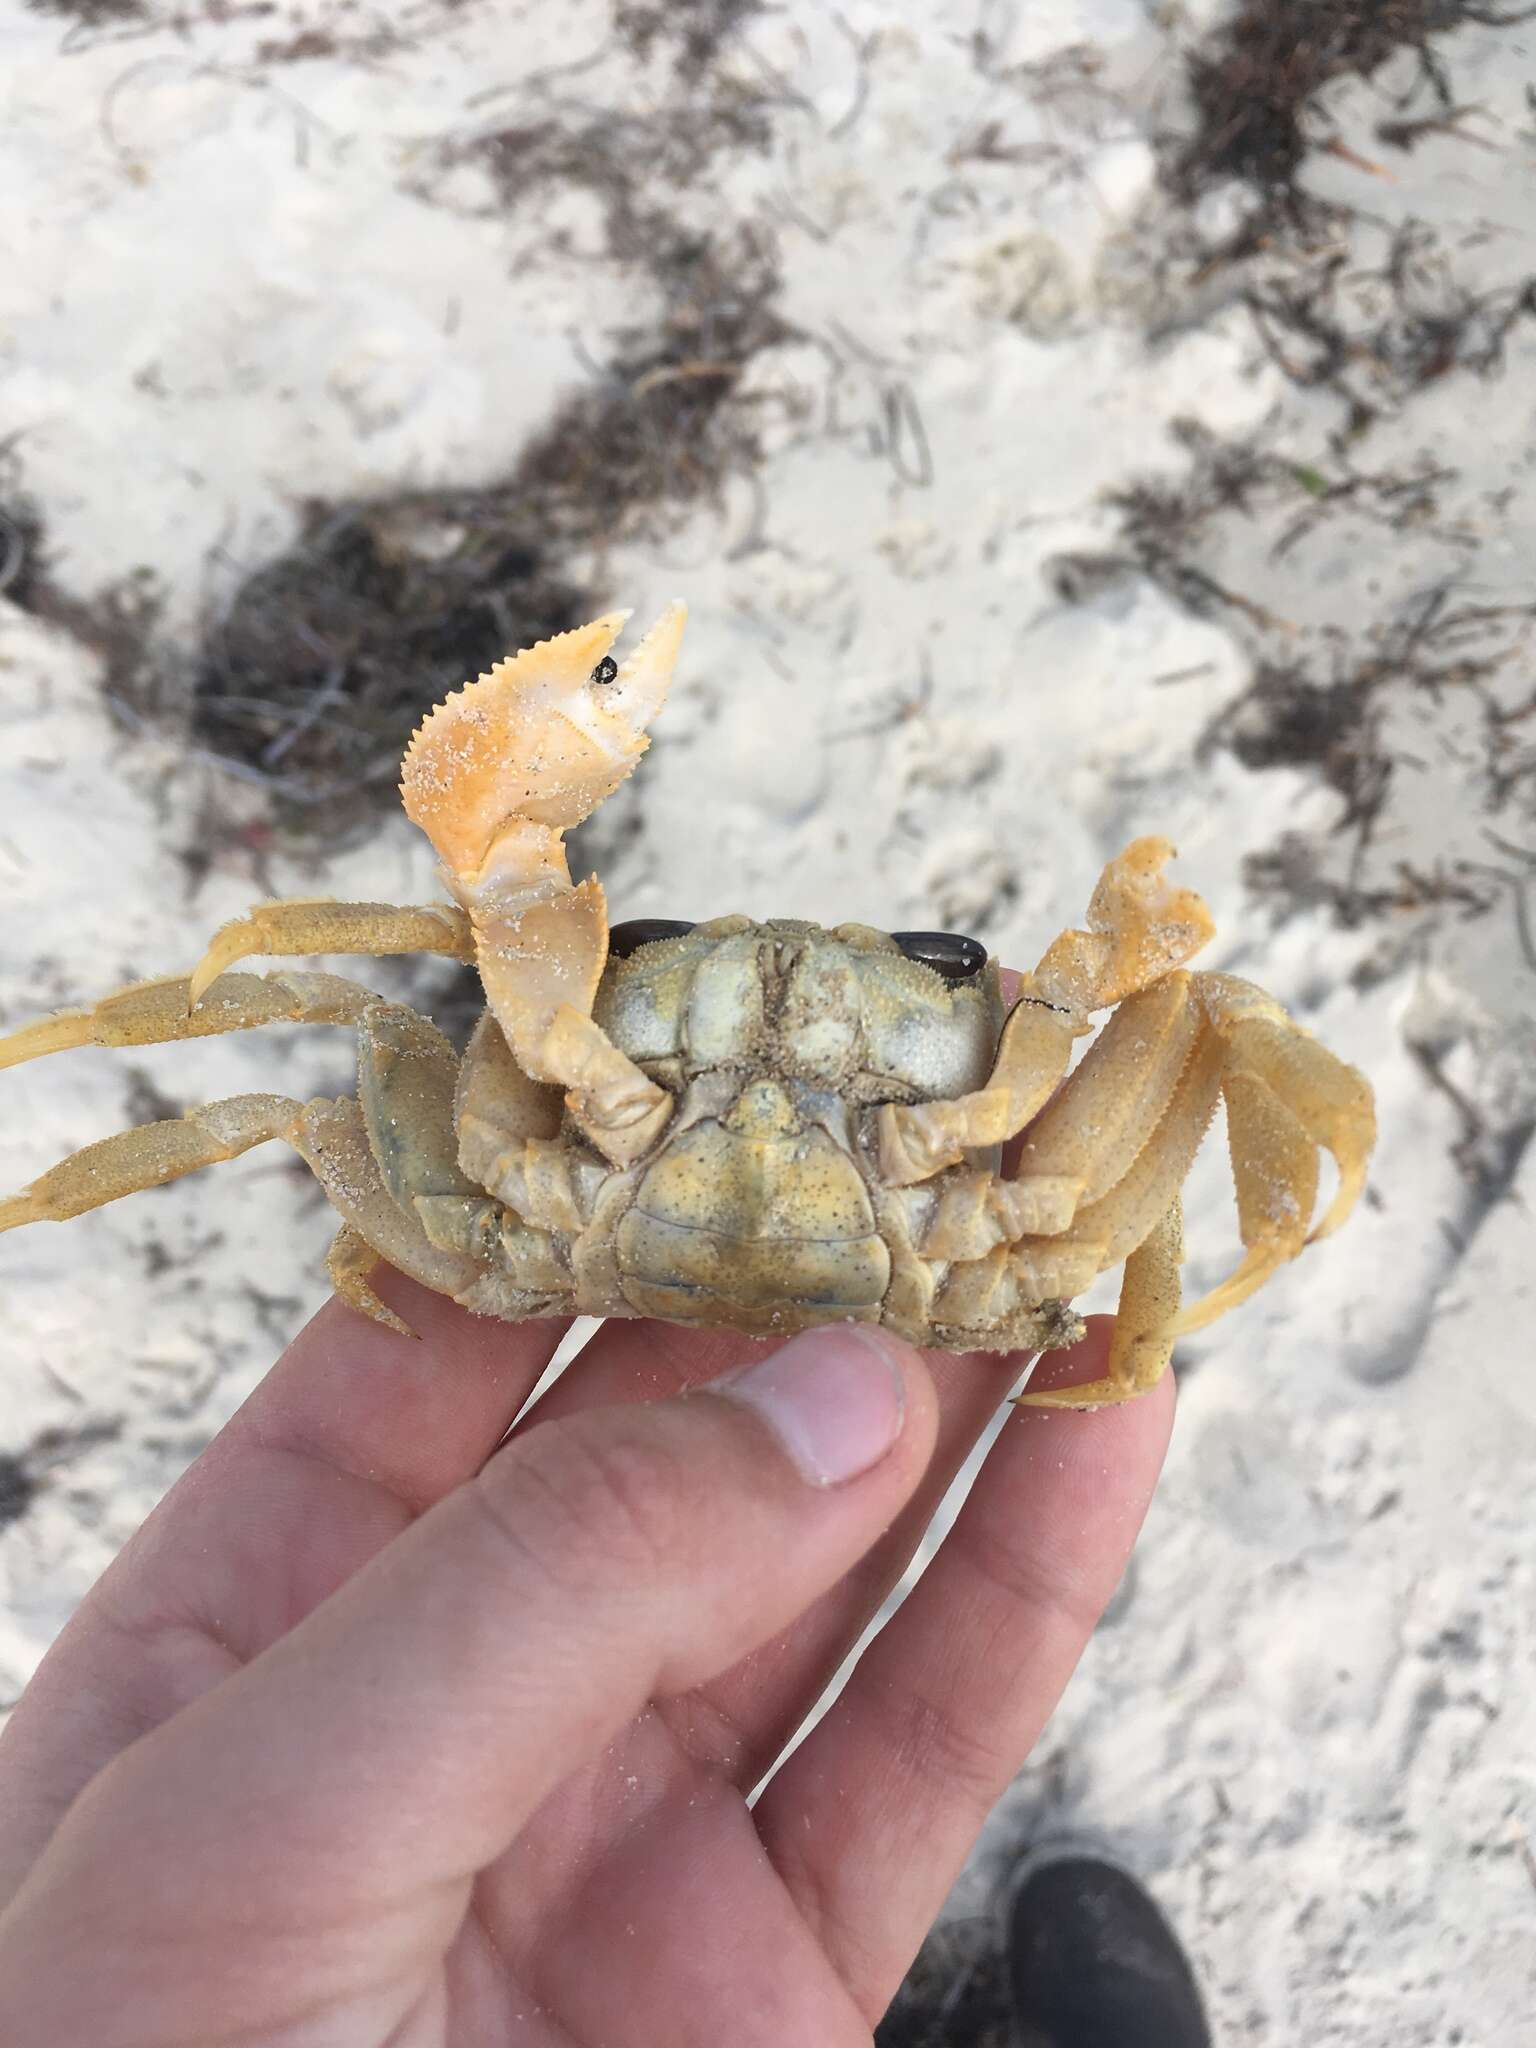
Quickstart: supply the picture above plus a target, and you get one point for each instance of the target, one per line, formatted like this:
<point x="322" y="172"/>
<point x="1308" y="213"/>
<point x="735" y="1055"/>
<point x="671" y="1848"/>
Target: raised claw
<point x="1140" y="926"/>
<point x="495" y="776"/>
<point x="536" y="742"/>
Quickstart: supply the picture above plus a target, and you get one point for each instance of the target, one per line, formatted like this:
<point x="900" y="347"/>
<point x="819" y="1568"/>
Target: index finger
<point x="353" y="1433"/>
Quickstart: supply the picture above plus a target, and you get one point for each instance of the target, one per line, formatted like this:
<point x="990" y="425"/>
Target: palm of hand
<point x="428" y="1881"/>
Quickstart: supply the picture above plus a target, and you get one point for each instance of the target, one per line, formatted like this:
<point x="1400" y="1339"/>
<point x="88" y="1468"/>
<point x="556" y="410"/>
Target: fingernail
<point x="834" y="1398"/>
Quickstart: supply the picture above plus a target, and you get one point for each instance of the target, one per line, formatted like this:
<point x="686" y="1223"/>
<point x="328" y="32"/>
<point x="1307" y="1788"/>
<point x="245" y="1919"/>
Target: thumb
<point x="402" y="1734"/>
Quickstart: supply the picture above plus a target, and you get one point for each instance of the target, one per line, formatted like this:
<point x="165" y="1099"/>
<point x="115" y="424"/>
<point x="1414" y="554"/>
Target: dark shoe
<point x="1092" y="1963"/>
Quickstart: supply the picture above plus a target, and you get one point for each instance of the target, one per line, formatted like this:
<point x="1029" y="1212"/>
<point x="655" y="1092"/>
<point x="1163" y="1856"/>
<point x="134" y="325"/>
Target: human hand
<point x="370" y="1736"/>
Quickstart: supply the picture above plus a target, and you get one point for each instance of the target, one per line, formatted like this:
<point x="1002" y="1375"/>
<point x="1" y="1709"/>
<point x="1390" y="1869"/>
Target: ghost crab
<point x="762" y="1125"/>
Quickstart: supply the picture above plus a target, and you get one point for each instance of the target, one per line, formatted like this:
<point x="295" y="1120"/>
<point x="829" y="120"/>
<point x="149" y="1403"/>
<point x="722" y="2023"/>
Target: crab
<point x="760" y="1125"/>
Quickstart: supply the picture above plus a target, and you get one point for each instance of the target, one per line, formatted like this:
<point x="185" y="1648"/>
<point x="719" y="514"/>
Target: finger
<point x="352" y="1433"/>
<point x="871" y="1819"/>
<point x="356" y="1426"/>
<point x="415" y="1415"/>
<point x="398" y="1739"/>
<point x="738" y="1723"/>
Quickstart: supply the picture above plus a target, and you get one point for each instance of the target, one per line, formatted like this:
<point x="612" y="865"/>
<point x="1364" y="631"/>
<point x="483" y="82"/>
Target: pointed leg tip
<point x="360" y="1298"/>
<point x="1256" y="1267"/>
<point x="1092" y="1394"/>
<point x="1351" y="1187"/>
<point x="200" y="980"/>
<point x="380" y="1314"/>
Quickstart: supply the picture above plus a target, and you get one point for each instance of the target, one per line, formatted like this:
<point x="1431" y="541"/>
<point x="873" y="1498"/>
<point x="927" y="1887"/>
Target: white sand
<point x="240" y="281"/>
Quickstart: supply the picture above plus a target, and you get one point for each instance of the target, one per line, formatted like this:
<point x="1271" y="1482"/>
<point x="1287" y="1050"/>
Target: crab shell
<point x="764" y="1206"/>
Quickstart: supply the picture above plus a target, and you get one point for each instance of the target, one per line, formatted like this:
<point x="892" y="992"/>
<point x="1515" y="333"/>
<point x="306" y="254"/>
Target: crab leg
<point x="1099" y="1123"/>
<point x="407" y="1075"/>
<point x="986" y="1292"/>
<point x="1329" y="1098"/>
<point x="918" y="1140"/>
<point x="1286" y="1094"/>
<point x="409" y="1082"/>
<point x="976" y="1211"/>
<point x="507" y="1134"/>
<point x="375" y="1160"/>
<point x="149" y="1156"/>
<point x="1125" y="1216"/>
<point x="156" y="1012"/>
<point x="1086" y="1138"/>
<point x="303" y="925"/>
<point x="330" y="1137"/>
<point x="350" y="1265"/>
<point x="412" y="1086"/>
<point x="1139" y="929"/>
<point x="1274" y="1169"/>
<point x="1142" y="1344"/>
<point x="495" y="776"/>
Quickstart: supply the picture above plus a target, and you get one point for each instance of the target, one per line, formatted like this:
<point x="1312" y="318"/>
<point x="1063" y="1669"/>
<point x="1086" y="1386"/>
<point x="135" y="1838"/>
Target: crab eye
<point x="947" y="953"/>
<point x="643" y="931"/>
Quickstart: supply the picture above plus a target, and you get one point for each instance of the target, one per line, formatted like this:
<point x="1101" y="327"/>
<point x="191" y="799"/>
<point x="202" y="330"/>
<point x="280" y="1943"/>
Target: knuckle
<point x="1041" y="1585"/>
<point x="587" y="1501"/>
<point x="932" y="1743"/>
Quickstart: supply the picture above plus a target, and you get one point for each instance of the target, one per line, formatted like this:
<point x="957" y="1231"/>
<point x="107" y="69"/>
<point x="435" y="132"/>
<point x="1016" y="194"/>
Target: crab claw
<point x="1139" y="927"/>
<point x="538" y="740"/>
<point x="495" y="776"/>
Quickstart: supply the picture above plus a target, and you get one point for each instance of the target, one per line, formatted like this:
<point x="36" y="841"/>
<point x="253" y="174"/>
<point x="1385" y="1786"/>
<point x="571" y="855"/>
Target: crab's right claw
<point x="502" y="767"/>
<point x="495" y="776"/>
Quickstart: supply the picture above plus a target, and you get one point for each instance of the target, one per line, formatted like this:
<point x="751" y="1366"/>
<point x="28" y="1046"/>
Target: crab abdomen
<point x="759" y="1218"/>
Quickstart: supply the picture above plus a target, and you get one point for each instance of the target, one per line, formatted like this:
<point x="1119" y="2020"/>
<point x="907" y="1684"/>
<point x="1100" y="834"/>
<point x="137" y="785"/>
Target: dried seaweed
<point x="1293" y="872"/>
<point x="26" y="1473"/>
<point x="625" y="156"/>
<point x="1163" y="521"/>
<point x="1325" y="706"/>
<point x="1288" y="719"/>
<point x="315" y="675"/>
<point x="312" y="674"/>
<point x="368" y="44"/>
<point x="1253" y="90"/>
<point x="91" y="13"/>
<point x="23" y="560"/>
<point x="1334" y="724"/>
<point x="1375" y="337"/>
<point x="698" y="29"/>
<point x="117" y="623"/>
<point x="1372" y="336"/>
<point x="18" y="1488"/>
